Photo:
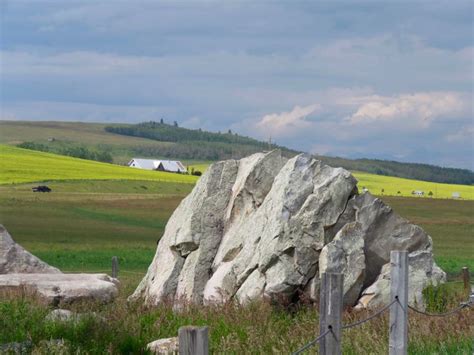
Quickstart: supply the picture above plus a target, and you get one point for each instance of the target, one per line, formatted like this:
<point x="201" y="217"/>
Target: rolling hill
<point x="25" y="166"/>
<point x="120" y="142"/>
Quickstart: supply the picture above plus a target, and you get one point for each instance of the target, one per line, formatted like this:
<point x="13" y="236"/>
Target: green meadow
<point x="78" y="228"/>
<point x="82" y="224"/>
<point x="96" y="211"/>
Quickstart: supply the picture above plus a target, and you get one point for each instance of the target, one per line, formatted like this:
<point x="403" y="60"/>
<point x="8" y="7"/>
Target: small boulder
<point x="167" y="346"/>
<point x="57" y="289"/>
<point x="15" y="259"/>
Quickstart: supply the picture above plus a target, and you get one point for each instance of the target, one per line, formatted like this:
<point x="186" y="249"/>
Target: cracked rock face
<point x="15" y="259"/>
<point x="267" y="227"/>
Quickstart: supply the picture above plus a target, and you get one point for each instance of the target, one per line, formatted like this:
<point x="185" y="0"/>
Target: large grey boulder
<point x="15" y="259"/>
<point x="57" y="289"/>
<point x="267" y="227"/>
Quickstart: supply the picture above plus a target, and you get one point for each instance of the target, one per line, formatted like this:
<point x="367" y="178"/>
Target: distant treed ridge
<point x="194" y="143"/>
<point x="203" y="145"/>
<point x="415" y="171"/>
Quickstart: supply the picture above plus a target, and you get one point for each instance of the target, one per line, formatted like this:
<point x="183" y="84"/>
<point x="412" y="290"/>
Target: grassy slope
<point x="75" y="133"/>
<point x="21" y="165"/>
<point x="14" y="132"/>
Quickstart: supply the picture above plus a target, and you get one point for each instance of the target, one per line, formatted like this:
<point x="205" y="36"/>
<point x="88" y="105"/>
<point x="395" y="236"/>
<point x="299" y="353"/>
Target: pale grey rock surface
<point x="345" y="255"/>
<point x="266" y="227"/>
<point x="21" y="271"/>
<point x="166" y="346"/>
<point x="57" y="289"/>
<point x="422" y="272"/>
<point x="15" y="259"/>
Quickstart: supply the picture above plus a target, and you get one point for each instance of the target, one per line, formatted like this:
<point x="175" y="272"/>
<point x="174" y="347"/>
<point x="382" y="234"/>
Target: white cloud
<point x="287" y="123"/>
<point x="419" y="108"/>
<point x="466" y="134"/>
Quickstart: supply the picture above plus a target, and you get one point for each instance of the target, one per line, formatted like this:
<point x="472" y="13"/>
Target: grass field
<point x="76" y="227"/>
<point x="98" y="210"/>
<point x="82" y="224"/>
<point x="22" y="165"/>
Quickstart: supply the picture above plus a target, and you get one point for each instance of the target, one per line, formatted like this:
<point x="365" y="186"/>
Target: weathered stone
<point x="384" y="231"/>
<point x="15" y="259"/>
<point x="185" y="253"/>
<point x="56" y="289"/>
<point x="422" y="272"/>
<point x="264" y="227"/>
<point x="345" y="254"/>
<point x="167" y="346"/>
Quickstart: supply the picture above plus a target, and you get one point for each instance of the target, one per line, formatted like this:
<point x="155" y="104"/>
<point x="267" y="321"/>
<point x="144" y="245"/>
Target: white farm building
<point x="173" y="166"/>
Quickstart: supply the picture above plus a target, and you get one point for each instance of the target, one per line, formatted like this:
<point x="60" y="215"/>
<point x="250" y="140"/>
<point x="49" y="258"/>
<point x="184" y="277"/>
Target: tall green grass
<point x="258" y="328"/>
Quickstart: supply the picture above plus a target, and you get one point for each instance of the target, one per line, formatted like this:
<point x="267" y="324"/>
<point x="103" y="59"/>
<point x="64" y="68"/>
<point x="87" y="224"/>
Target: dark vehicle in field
<point x="41" y="188"/>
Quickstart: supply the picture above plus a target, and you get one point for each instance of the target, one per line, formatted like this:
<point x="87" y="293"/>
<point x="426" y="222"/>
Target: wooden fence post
<point x="399" y="311"/>
<point x="193" y="340"/>
<point x="465" y="278"/>
<point x="115" y="266"/>
<point x="330" y="313"/>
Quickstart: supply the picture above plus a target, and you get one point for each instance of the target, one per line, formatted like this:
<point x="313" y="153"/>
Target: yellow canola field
<point x="19" y="165"/>
<point x="392" y="185"/>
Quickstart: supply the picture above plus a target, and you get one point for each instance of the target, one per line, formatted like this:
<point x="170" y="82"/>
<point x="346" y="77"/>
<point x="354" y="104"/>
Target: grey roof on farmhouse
<point x="173" y="165"/>
<point x="152" y="164"/>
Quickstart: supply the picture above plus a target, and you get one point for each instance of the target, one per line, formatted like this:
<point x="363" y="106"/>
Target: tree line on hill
<point x="173" y="133"/>
<point x="71" y="151"/>
<point x="416" y="171"/>
<point x="193" y="144"/>
<point x="203" y="145"/>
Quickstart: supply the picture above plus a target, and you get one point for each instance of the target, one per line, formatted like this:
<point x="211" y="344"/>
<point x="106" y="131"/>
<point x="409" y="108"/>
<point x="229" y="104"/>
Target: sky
<point x="376" y="79"/>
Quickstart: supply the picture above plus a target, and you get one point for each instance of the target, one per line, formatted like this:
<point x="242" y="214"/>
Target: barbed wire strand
<point x="445" y="314"/>
<point x="458" y="282"/>
<point x="379" y="312"/>
<point x="312" y="343"/>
